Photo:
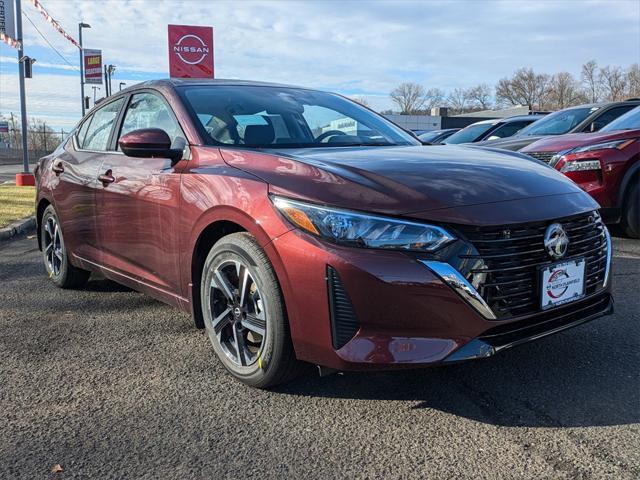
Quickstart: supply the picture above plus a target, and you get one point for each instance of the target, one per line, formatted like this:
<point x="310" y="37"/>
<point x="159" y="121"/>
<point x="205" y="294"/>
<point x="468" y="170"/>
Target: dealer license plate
<point x="562" y="283"/>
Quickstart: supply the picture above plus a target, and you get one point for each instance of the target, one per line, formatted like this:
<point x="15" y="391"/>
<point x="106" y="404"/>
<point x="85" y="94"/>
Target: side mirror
<point x="595" y="126"/>
<point x="149" y="143"/>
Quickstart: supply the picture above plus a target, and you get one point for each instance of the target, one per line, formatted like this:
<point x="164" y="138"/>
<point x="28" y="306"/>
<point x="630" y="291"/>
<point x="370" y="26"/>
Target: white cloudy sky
<point x="361" y="48"/>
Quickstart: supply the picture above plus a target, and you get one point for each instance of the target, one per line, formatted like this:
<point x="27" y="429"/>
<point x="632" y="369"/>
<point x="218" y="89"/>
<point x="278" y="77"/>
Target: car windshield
<point x="281" y="117"/>
<point x="470" y="133"/>
<point x="557" y="123"/>
<point x="628" y="121"/>
<point x="429" y="136"/>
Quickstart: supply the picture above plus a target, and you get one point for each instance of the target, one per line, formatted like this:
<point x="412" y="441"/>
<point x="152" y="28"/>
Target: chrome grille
<point x="542" y="156"/>
<point x="505" y="270"/>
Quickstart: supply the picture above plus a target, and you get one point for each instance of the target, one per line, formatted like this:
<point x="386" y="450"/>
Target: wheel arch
<point x="43" y="203"/>
<point x="633" y="173"/>
<point x="211" y="227"/>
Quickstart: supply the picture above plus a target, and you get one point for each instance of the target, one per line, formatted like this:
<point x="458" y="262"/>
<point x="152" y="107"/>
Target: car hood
<point x="511" y="143"/>
<point x="574" y="140"/>
<point x="404" y="180"/>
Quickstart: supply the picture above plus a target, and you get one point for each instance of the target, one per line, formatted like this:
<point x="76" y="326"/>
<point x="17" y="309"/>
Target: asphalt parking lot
<point x="109" y="383"/>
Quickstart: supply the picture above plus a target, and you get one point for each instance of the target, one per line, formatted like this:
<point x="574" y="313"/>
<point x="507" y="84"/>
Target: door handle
<point x="106" y="178"/>
<point x="57" y="168"/>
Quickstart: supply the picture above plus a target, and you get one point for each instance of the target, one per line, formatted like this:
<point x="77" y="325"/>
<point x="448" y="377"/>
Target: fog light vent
<point x="344" y="323"/>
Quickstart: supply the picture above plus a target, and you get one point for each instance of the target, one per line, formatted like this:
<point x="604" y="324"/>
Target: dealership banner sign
<point x="8" y="23"/>
<point x="190" y="51"/>
<point x="92" y="66"/>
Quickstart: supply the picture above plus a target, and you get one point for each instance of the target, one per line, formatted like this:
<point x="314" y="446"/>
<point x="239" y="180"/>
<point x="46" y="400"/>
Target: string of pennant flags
<point x="54" y="22"/>
<point x="8" y="34"/>
<point x="12" y="42"/>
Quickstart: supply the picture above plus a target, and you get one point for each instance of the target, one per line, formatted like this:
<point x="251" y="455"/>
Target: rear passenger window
<point x="99" y="130"/>
<point x="83" y="131"/>
<point x="607" y="117"/>
<point x="508" y="130"/>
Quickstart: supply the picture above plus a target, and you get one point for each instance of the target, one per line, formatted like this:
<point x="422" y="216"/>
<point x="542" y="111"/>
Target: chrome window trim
<point x="78" y="149"/>
<point x="461" y="286"/>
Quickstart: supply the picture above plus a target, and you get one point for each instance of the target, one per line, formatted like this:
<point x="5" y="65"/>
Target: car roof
<point x="180" y="82"/>
<point x="515" y="118"/>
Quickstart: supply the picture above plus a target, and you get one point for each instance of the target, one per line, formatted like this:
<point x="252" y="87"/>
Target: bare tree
<point x="409" y="97"/>
<point x="590" y="80"/>
<point x="633" y="80"/>
<point x="480" y="97"/>
<point x="433" y="98"/>
<point x="361" y="100"/>
<point x="613" y="82"/>
<point x="525" y="87"/>
<point x="41" y="136"/>
<point x="564" y="91"/>
<point x="458" y="101"/>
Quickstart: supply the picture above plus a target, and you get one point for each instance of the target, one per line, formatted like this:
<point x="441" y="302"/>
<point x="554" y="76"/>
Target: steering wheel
<point x="329" y="133"/>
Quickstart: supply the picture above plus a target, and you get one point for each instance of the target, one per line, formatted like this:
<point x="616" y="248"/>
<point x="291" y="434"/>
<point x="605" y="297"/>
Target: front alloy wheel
<point x="238" y="312"/>
<point x="244" y="313"/>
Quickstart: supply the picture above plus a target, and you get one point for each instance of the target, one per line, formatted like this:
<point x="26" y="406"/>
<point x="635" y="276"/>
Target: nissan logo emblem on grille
<point x="556" y="241"/>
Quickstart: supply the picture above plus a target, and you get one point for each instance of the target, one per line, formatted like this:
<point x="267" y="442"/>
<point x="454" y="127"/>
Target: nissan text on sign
<point x="190" y="51"/>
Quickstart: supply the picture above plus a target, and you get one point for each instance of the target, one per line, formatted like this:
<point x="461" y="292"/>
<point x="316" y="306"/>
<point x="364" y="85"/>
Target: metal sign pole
<point x="23" y="101"/>
<point x="81" y="68"/>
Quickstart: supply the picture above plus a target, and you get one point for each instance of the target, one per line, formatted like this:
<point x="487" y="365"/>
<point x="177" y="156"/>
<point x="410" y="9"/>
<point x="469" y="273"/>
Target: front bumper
<point x="406" y="314"/>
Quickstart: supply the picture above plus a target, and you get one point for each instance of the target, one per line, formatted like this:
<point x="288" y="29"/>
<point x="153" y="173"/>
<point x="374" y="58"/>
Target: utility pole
<point x="44" y="134"/>
<point x="106" y="82"/>
<point x="94" y="88"/>
<point x="111" y="70"/>
<point x="23" y="100"/>
<point x="82" y="25"/>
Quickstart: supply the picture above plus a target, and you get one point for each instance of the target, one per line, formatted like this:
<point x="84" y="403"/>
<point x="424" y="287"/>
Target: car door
<point x="77" y="171"/>
<point x="138" y="204"/>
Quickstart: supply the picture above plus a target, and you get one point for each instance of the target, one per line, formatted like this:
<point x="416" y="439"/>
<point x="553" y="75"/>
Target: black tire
<point x="55" y="254"/>
<point x="257" y="360"/>
<point x="631" y="211"/>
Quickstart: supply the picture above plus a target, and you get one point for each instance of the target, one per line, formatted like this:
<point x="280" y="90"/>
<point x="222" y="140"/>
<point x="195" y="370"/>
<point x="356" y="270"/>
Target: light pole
<point x="111" y="69"/>
<point x="23" y="100"/>
<point x="94" y="88"/>
<point x="80" y="27"/>
<point x="120" y="85"/>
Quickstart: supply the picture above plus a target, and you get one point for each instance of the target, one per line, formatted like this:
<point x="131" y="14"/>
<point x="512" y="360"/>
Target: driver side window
<point x="147" y="110"/>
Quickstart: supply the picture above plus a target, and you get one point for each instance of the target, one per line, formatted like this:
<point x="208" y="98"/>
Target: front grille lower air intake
<point x="344" y="323"/>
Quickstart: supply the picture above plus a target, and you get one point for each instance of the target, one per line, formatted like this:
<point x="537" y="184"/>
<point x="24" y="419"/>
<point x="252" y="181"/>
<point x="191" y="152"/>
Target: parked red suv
<point x="604" y="164"/>
<point x="298" y="226"/>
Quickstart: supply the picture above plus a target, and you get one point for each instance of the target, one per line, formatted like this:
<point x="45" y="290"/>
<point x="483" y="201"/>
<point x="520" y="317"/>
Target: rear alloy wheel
<point x="631" y="212"/>
<point x="244" y="313"/>
<point x="54" y="252"/>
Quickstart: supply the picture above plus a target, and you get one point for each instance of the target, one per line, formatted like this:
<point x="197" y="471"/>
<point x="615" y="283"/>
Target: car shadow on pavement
<point x="585" y="376"/>
<point x="554" y="383"/>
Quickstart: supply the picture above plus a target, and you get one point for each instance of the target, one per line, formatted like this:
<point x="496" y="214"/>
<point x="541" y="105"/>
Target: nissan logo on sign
<point x="190" y="51"/>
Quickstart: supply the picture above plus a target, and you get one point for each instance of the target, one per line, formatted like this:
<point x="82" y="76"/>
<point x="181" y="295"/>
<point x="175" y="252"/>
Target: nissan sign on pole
<point x="190" y="51"/>
<point x="92" y="66"/>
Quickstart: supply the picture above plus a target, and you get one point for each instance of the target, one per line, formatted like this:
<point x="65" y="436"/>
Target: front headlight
<point x="617" y="144"/>
<point x="580" y="166"/>
<point x="361" y="230"/>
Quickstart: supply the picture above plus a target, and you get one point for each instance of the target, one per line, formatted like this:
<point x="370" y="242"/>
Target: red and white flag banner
<point x="54" y="22"/>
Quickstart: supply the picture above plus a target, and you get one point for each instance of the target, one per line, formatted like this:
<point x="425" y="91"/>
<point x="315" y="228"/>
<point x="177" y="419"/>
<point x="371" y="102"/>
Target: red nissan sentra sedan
<point x="605" y="164"/>
<point x="300" y="227"/>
